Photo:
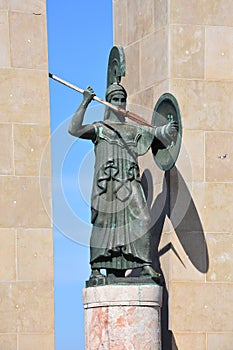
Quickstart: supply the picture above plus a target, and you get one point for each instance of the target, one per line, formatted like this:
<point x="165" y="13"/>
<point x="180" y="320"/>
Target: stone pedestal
<point x="122" y="317"/>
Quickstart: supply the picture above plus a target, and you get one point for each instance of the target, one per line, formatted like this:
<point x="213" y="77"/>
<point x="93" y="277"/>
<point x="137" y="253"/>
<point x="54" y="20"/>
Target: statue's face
<point x="118" y="99"/>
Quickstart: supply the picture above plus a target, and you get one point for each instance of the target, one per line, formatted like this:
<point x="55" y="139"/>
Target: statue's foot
<point x="96" y="279"/>
<point x="149" y="271"/>
<point x="95" y="273"/>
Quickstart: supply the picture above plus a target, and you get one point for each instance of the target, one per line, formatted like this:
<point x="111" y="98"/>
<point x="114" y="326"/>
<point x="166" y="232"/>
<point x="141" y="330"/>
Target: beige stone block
<point x="8" y="308"/>
<point x="154" y="58"/>
<point x="219" y="156"/>
<point x="221" y="257"/>
<point x="167" y="226"/>
<point x="161" y="13"/>
<point x="204" y="105"/>
<point x="219" y="53"/>
<point x="191" y="12"/>
<point x="184" y="212"/>
<point x="26" y="307"/>
<point x="140" y="19"/>
<point x="21" y="204"/>
<point x="187" y="51"/>
<point x="6" y="150"/>
<point x="3" y="4"/>
<point x="4" y="39"/>
<point x="131" y="80"/>
<point x="160" y="209"/>
<point x="218" y="341"/>
<point x="184" y="167"/>
<point x="214" y="203"/>
<point x="7" y="255"/>
<point x="45" y="164"/>
<point x="140" y="111"/>
<point x="201" y="307"/>
<point x="214" y="12"/>
<point x="35" y="254"/>
<point x="28" y="40"/>
<point x="120" y="19"/>
<point x="37" y="7"/>
<point x="36" y="341"/>
<point x="8" y="341"/>
<point x="24" y="96"/>
<point x="145" y="99"/>
<point x="154" y="182"/>
<point x="195" y="341"/>
<point x="161" y="88"/>
<point x="189" y="258"/>
<point x="154" y="175"/>
<point x="148" y="98"/>
<point x="165" y="255"/>
<point x="219" y="12"/>
<point x="46" y="195"/>
<point x="156" y="191"/>
<point x="29" y="145"/>
<point x="191" y="159"/>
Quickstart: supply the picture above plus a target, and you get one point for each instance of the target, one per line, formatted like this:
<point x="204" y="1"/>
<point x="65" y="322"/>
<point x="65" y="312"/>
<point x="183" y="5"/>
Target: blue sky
<point x="80" y="37"/>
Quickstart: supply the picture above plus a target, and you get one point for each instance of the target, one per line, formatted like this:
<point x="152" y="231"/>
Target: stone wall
<point x="186" y="48"/>
<point x="26" y="248"/>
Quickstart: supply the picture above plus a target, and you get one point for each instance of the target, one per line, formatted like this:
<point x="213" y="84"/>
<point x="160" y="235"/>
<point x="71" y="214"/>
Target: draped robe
<point x="120" y="236"/>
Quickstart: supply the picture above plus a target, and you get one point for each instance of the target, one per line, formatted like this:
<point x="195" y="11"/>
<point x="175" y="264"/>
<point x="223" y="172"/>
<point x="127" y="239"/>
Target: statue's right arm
<point x="76" y="127"/>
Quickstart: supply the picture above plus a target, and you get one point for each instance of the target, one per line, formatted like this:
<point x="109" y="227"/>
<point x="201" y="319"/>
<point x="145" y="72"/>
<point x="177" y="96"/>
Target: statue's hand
<point x="88" y="95"/>
<point x="172" y="130"/>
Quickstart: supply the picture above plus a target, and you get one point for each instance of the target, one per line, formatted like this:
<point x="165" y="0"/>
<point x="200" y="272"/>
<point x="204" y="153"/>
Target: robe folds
<point x="120" y="236"/>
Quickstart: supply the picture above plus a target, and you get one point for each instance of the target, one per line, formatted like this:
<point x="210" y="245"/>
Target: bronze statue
<point x="120" y="238"/>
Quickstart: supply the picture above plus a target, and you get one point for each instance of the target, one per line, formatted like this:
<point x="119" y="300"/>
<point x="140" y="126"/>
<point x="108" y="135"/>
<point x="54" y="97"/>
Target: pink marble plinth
<point x="122" y="317"/>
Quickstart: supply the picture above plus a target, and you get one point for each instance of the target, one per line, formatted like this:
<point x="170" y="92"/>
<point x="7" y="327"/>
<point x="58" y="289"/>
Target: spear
<point x="124" y="112"/>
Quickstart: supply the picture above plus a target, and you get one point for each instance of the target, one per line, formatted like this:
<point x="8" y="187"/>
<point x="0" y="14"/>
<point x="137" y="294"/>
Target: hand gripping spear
<point x="124" y="112"/>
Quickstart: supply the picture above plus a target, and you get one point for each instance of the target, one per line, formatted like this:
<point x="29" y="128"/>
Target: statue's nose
<point x="117" y="103"/>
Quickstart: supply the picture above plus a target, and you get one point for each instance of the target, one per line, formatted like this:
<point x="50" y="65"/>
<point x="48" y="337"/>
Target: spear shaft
<point x="124" y="112"/>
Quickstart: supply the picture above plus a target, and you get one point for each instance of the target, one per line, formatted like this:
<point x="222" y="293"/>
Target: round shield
<point x="165" y="111"/>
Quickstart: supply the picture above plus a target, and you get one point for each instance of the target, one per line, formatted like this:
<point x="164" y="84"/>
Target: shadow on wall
<point x="176" y="203"/>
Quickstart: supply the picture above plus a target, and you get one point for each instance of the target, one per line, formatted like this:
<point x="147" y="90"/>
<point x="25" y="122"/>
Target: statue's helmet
<point x="113" y="89"/>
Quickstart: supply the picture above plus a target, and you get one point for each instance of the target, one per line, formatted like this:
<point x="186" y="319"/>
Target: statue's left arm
<point x="167" y="133"/>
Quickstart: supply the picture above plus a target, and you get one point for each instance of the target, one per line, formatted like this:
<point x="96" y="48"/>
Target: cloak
<point x="120" y="236"/>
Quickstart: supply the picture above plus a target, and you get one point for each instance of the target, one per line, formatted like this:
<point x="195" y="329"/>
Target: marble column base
<point x="122" y="317"/>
